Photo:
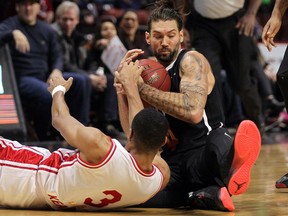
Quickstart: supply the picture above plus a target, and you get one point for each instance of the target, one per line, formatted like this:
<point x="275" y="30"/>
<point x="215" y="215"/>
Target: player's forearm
<point x="178" y="105"/>
<point x="123" y="113"/>
<point x="59" y="110"/>
<point x="134" y="102"/>
<point x="279" y="8"/>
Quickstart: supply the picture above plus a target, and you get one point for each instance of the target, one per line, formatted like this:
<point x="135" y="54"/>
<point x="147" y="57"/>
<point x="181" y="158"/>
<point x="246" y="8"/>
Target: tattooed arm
<point x="196" y="84"/>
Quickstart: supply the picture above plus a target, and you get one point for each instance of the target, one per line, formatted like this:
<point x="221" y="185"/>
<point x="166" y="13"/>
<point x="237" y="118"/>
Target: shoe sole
<point x="226" y="199"/>
<point x="247" y="145"/>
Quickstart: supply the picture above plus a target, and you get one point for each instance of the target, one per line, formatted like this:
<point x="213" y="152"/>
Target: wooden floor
<point x="261" y="198"/>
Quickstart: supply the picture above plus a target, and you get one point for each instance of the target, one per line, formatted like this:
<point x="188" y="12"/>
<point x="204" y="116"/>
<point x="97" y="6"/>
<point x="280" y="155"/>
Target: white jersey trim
<point x="100" y="164"/>
<point x="139" y="170"/>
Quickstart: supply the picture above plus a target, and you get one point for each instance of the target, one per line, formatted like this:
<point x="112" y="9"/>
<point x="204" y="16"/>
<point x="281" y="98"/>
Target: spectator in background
<point x="71" y="41"/>
<point x="72" y="45"/>
<point x="131" y="36"/>
<point x="107" y="97"/>
<point x="74" y="55"/>
<point x="36" y="56"/>
<point x="88" y="19"/>
<point x="46" y="11"/>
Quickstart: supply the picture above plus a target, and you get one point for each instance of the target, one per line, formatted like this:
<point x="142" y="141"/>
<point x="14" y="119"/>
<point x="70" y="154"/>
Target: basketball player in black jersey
<point x="207" y="164"/>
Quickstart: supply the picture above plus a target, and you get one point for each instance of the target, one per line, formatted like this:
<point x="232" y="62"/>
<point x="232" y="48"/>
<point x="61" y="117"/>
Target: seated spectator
<point x="108" y="119"/>
<point x="36" y="56"/>
<point x="131" y="35"/>
<point x="74" y="55"/>
<point x="72" y="42"/>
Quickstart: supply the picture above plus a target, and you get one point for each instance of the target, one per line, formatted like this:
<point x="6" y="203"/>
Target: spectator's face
<point x="129" y="23"/>
<point x="108" y="30"/>
<point x="68" y="20"/>
<point x="28" y="11"/>
<point x="165" y="40"/>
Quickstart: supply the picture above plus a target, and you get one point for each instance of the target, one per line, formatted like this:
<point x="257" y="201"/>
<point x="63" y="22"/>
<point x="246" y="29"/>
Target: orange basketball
<point x="155" y="74"/>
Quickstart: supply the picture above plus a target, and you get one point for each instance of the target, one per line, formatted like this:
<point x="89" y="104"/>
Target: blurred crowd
<point x="91" y="37"/>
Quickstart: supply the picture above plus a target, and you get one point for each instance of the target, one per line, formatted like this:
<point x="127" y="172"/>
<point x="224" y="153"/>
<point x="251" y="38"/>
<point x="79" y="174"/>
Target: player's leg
<point x="282" y="80"/>
<point x="230" y="165"/>
<point x="208" y="168"/>
<point x="36" y="102"/>
<point x="18" y="175"/>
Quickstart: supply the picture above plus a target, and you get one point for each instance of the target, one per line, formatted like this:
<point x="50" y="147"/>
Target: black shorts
<point x="196" y="168"/>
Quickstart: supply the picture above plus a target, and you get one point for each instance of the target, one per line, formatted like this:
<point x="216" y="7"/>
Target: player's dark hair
<point x="166" y="10"/>
<point x="149" y="128"/>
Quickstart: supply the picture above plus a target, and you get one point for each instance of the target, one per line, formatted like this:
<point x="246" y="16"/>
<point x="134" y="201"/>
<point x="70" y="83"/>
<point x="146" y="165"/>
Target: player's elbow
<point x="55" y="122"/>
<point x="195" y="116"/>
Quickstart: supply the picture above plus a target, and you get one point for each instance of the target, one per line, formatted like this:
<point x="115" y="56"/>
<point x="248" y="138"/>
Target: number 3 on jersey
<point x="116" y="197"/>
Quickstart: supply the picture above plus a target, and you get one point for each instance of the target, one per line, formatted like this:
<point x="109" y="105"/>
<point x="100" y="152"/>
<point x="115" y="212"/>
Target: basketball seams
<point x="155" y="74"/>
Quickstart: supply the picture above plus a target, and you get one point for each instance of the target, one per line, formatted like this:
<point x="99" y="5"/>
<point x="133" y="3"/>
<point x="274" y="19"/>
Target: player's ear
<point x="147" y="37"/>
<point x="129" y="145"/>
<point x="181" y="34"/>
<point x="166" y="140"/>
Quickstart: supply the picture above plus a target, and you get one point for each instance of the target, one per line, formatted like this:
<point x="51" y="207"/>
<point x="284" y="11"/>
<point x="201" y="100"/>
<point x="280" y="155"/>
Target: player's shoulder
<point x="193" y="58"/>
<point x="193" y="54"/>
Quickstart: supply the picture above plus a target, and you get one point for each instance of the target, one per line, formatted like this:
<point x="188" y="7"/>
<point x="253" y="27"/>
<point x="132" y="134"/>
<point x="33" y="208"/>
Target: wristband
<point x="58" y="88"/>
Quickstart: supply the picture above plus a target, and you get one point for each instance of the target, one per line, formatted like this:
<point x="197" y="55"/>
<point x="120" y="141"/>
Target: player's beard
<point x="167" y="58"/>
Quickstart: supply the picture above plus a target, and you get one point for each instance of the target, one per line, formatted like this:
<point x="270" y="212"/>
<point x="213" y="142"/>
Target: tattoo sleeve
<point x="187" y="105"/>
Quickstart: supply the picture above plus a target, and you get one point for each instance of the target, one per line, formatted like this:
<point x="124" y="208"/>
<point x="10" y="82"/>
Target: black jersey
<point x="194" y="135"/>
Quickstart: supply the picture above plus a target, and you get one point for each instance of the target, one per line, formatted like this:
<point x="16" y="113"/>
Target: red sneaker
<point x="247" y="145"/>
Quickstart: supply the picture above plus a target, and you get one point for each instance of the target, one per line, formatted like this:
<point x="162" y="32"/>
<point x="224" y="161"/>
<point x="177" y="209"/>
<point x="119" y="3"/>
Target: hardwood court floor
<point x="261" y="198"/>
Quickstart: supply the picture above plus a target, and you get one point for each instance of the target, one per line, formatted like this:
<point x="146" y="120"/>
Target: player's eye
<point x="158" y="36"/>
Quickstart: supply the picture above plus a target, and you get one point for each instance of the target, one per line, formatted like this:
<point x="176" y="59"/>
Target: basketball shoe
<point x="282" y="182"/>
<point x="211" y="198"/>
<point x="247" y="144"/>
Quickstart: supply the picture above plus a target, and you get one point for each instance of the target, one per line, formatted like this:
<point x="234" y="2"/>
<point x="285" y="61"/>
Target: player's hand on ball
<point x="129" y="56"/>
<point x="130" y="74"/>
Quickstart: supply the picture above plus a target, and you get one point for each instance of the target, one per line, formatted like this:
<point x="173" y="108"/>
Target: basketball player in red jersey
<point x="207" y="165"/>
<point x="100" y="173"/>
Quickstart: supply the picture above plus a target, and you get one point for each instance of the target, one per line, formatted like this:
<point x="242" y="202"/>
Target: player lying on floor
<point x="99" y="173"/>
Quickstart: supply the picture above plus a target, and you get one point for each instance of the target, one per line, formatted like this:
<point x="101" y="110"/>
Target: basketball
<point x="155" y="74"/>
